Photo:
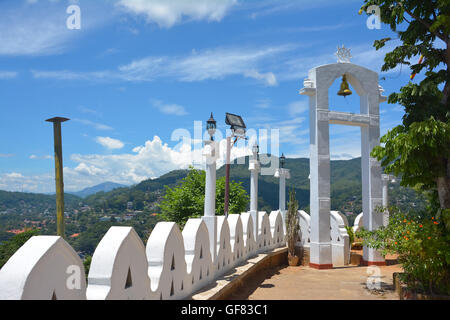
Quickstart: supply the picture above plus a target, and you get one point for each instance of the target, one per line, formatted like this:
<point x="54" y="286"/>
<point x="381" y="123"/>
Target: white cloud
<point x="96" y="125"/>
<point x="150" y="160"/>
<point x="39" y="28"/>
<point x="45" y="157"/>
<point x="14" y="175"/>
<point x="8" y="74"/>
<point x="268" y="7"/>
<point x="167" y="13"/>
<point x="298" y="107"/>
<point x="171" y="109"/>
<point x="110" y="143"/>
<point x="212" y="64"/>
<point x="269" y="78"/>
<point x="6" y="155"/>
<point x="27" y="31"/>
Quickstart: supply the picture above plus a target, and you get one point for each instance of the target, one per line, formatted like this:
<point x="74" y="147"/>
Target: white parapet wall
<point x="197" y="254"/>
<point x="118" y="268"/>
<point x="173" y="264"/>
<point x="249" y="237"/>
<point x="305" y="228"/>
<point x="264" y="237"/>
<point x="358" y="223"/>
<point x="340" y="241"/>
<point x="276" y="229"/>
<point x="44" y="268"/>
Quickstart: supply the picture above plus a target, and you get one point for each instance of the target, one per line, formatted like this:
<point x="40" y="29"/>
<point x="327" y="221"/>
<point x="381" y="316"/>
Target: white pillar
<point x="283" y="174"/>
<point x="385" y="181"/>
<point x="254" y="167"/>
<point x="254" y="190"/>
<point x="210" y="190"/>
<point x="211" y="152"/>
<point x="319" y="164"/>
<point x="282" y="203"/>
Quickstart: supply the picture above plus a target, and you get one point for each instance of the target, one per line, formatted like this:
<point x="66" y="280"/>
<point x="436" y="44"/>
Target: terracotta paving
<point x="305" y="283"/>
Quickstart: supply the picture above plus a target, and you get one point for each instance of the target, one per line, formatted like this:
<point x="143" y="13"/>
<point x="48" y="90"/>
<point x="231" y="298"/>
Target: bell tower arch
<point x="365" y="83"/>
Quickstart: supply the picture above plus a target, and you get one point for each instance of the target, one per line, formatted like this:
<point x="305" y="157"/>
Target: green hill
<point x="86" y="216"/>
<point x="20" y="202"/>
<point x="346" y="188"/>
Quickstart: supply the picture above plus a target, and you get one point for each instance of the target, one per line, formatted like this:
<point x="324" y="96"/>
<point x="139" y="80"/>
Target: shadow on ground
<point x="255" y="282"/>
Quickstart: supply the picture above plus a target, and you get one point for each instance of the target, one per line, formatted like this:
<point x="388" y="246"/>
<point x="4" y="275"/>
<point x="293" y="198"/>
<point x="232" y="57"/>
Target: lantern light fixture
<point x="211" y="126"/>
<point x="282" y="161"/>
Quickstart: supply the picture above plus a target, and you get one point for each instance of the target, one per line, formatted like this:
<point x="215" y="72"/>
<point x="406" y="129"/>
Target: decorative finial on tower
<point x="343" y="54"/>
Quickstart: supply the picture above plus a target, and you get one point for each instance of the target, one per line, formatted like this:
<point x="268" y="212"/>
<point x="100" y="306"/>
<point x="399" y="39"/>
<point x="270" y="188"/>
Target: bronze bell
<point x="345" y="90"/>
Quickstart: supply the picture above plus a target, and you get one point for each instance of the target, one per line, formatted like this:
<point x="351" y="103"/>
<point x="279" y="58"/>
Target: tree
<point x="418" y="150"/>
<point x="238" y="197"/>
<point x="8" y="248"/>
<point x="187" y="199"/>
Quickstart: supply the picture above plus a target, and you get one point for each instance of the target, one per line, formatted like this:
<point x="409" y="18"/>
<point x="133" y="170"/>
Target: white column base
<point x="372" y="257"/>
<point x="320" y="255"/>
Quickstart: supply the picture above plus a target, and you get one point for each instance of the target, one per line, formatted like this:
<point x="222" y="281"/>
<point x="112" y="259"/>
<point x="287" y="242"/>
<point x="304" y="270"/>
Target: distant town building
<point x="130" y="205"/>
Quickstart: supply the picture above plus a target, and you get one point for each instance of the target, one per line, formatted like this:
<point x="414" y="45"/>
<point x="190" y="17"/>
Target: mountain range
<point x="102" y="187"/>
<point x="345" y="190"/>
<point x="346" y="187"/>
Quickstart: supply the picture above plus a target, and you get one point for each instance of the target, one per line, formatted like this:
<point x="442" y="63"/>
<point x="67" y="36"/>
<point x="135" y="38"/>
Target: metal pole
<point x="59" y="174"/>
<point x="227" y="178"/>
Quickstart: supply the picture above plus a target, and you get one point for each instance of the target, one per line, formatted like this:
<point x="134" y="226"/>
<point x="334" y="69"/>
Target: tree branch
<point x="426" y="24"/>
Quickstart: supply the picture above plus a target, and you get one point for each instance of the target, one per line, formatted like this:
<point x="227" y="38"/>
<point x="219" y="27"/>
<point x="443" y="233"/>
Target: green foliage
<point x="418" y="149"/>
<point x="417" y="154"/>
<point x="238" y="199"/>
<point x="187" y="199"/>
<point x="89" y="239"/>
<point x="19" y="201"/>
<point x="9" y="247"/>
<point x="87" y="264"/>
<point x="422" y="242"/>
<point x="351" y="234"/>
<point x="292" y="223"/>
<point x="143" y="195"/>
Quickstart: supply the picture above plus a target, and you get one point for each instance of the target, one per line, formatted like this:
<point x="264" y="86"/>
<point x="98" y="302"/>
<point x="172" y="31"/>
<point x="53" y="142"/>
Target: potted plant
<point x="292" y="229"/>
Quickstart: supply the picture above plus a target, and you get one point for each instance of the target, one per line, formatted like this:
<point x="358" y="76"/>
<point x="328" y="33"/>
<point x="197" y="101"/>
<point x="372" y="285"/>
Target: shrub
<point x="422" y="242"/>
<point x="351" y="235"/>
<point x="292" y="223"/>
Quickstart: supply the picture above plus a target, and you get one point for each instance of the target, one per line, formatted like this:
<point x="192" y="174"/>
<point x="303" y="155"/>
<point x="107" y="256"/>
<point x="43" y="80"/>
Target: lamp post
<point x="59" y="174"/>
<point x="238" y="131"/>
<point x="283" y="174"/>
<point x="254" y="167"/>
<point x="209" y="215"/>
<point x="211" y="126"/>
<point x="210" y="183"/>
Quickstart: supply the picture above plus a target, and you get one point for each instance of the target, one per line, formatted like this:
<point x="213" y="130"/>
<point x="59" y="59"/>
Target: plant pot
<point x="293" y="260"/>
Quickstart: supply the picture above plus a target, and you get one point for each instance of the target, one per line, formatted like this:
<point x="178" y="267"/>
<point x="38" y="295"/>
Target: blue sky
<point x="138" y="70"/>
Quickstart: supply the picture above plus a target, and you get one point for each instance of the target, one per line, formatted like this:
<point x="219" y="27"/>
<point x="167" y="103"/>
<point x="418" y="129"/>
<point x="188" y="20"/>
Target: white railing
<point x="173" y="264"/>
